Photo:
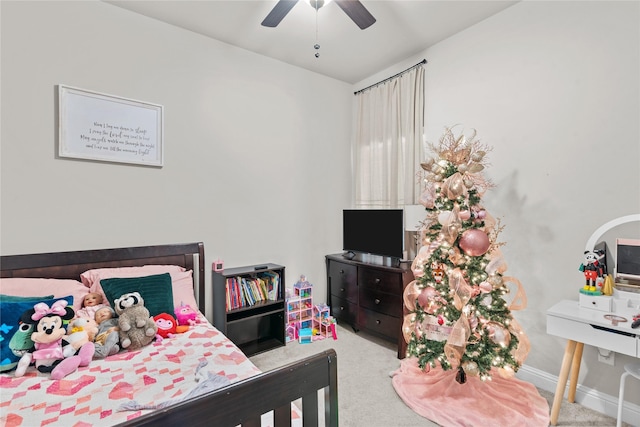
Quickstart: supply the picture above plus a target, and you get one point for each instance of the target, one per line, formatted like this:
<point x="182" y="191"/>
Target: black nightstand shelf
<point x="253" y="328"/>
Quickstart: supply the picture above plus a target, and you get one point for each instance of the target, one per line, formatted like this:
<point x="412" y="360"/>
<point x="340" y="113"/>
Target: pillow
<point x="11" y="308"/>
<point x="14" y="298"/>
<point x="155" y="290"/>
<point x="92" y="278"/>
<point x="183" y="292"/>
<point x="35" y="287"/>
<point x="181" y="279"/>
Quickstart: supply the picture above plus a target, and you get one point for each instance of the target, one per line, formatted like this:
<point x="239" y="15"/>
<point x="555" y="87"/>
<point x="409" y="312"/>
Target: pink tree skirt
<point x="500" y="402"/>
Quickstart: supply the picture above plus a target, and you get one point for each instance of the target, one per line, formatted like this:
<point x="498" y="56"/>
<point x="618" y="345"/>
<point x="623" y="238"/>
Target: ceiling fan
<point x="353" y="8"/>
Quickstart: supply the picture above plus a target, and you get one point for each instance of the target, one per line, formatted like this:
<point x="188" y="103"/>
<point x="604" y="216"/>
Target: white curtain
<point x="388" y="142"/>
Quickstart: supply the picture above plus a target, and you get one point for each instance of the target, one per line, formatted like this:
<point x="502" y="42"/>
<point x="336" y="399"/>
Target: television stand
<point x="349" y="255"/>
<point x="368" y="296"/>
<point x="366" y="258"/>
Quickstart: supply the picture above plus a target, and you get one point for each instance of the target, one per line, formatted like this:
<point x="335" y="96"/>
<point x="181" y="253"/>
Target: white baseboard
<point x="585" y="396"/>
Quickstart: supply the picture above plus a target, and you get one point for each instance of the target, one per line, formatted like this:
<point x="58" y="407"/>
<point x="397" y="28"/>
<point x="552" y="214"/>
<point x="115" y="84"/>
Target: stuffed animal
<point x="80" y="331"/>
<point x="137" y="327"/>
<point x="166" y="326"/>
<point x="21" y="345"/>
<point x="49" y="355"/>
<point x="186" y="315"/>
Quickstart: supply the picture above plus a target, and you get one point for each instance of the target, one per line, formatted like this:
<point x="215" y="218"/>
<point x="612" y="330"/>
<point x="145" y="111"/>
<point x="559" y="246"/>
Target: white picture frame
<point x="101" y="127"/>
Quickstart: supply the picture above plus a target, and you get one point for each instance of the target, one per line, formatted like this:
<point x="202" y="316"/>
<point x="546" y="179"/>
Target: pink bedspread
<point x="91" y="395"/>
<point x="500" y="402"/>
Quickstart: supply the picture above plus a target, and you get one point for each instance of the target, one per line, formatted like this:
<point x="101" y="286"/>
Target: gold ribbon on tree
<point x="457" y="342"/>
<point x="461" y="289"/>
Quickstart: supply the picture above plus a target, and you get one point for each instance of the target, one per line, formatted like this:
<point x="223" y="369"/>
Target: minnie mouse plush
<point x="49" y="354"/>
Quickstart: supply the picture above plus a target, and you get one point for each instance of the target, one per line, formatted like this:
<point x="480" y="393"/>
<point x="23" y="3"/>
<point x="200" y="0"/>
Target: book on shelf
<point x="273" y="284"/>
<point x="247" y="291"/>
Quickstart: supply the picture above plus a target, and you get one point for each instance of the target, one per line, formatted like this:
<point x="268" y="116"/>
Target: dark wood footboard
<point x="244" y="402"/>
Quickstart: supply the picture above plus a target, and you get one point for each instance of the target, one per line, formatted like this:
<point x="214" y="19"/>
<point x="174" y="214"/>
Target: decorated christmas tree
<point x="460" y="302"/>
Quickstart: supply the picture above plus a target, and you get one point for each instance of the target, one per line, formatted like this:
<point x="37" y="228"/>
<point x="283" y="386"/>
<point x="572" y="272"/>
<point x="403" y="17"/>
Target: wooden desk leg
<point x="575" y="370"/>
<point x="562" y="380"/>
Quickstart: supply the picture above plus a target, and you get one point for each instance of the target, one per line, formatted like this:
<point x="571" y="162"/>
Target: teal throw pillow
<point x="156" y="291"/>
<point x="12" y="336"/>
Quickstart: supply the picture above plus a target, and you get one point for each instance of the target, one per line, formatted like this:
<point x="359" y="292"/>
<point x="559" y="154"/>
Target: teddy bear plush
<point x="137" y="328"/>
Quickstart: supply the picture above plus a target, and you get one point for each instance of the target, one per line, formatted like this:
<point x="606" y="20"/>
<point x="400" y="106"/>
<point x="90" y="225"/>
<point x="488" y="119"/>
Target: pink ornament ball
<point x="474" y="242"/>
<point x="428" y="300"/>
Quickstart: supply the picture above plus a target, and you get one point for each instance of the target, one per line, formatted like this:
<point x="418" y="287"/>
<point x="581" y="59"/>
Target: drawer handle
<point x="377" y="301"/>
<point x="341" y="289"/>
<point x="378" y="322"/>
<point x="377" y="280"/>
<point x="341" y="308"/>
<point x="341" y="271"/>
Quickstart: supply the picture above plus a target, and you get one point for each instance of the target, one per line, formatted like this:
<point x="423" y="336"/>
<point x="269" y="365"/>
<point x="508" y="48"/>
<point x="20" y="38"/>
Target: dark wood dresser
<point x="368" y="296"/>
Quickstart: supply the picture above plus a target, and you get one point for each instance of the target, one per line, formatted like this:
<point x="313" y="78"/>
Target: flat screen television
<point x="628" y="259"/>
<point x="373" y="231"/>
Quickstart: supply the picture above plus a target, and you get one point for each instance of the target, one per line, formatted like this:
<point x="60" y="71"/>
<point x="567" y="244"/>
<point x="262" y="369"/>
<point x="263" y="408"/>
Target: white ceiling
<point x="347" y="53"/>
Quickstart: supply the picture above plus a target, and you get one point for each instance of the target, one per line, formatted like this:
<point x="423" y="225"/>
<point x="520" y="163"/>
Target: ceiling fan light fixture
<point x="317" y="4"/>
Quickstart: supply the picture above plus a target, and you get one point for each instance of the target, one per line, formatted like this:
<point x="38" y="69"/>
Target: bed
<point x="157" y="382"/>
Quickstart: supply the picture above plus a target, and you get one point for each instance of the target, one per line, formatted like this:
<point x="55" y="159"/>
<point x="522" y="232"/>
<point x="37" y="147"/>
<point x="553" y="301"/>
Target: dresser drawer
<point x="596" y="302"/>
<point x="380" y="280"/>
<point x="342" y="309"/>
<point x="343" y="280"/>
<point x="379" y="323"/>
<point x="381" y="302"/>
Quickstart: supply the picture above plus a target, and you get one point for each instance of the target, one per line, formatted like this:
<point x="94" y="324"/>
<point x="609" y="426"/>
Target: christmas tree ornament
<point x="474" y="242"/>
<point x="410" y="295"/>
<point x="470" y="368"/>
<point x="485" y="287"/>
<point x="498" y="334"/>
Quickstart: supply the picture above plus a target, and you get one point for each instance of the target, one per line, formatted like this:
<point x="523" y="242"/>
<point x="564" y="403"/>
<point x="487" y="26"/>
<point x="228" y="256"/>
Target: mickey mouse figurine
<point x="592" y="271"/>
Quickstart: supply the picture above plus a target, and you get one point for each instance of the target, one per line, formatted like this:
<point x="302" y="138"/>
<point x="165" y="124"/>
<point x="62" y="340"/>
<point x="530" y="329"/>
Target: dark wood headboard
<point x="69" y="265"/>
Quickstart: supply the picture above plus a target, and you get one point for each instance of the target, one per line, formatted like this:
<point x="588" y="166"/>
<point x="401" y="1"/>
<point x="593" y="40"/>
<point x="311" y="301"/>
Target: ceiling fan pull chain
<point x="317" y="46"/>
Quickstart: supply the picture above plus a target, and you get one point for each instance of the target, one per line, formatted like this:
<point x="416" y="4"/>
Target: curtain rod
<point x="424" y="61"/>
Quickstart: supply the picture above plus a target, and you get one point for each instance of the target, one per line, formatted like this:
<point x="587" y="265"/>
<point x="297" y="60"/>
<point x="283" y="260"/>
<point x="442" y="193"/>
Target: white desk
<point x="581" y="325"/>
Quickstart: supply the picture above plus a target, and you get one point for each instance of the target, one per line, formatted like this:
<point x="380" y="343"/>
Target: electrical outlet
<point x="606" y="356"/>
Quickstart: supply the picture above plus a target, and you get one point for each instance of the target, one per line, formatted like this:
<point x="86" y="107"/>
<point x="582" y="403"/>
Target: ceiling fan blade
<point x="357" y="12"/>
<point x="278" y="12"/>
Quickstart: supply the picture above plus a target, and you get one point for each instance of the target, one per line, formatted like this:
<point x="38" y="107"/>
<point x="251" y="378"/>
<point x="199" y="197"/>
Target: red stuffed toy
<point x="167" y="326"/>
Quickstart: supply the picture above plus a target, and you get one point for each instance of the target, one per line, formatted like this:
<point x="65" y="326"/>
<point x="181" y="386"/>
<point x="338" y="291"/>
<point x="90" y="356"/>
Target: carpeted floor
<point x="366" y="395"/>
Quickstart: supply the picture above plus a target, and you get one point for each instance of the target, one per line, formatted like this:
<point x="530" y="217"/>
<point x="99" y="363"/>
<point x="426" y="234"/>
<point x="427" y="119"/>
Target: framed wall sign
<point x="96" y="126"/>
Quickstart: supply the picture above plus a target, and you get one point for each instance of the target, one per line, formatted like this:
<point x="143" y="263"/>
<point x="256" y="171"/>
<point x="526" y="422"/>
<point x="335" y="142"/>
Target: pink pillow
<point x="181" y="280"/>
<point x="34" y="287"/>
<point x="183" y="292"/>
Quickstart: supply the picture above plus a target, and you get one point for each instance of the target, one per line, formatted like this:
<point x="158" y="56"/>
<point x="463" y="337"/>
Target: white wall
<point x="257" y="152"/>
<point x="554" y="88"/>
